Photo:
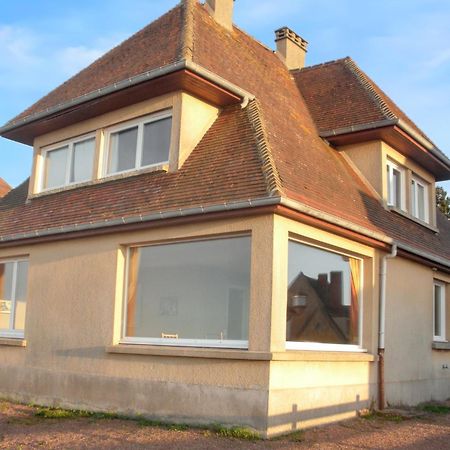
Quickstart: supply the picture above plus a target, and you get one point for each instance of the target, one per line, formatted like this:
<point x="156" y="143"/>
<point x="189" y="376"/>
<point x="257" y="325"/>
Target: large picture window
<point x="192" y="293"/>
<point x="139" y="143"/>
<point x="324" y="298"/>
<point x="13" y="297"/>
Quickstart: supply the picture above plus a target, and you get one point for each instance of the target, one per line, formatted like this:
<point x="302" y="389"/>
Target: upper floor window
<point x="68" y="163"/>
<point x="13" y="297"/>
<point x="140" y="143"/>
<point x="439" y="312"/>
<point x="324" y="299"/>
<point x="395" y="185"/>
<point x="419" y="199"/>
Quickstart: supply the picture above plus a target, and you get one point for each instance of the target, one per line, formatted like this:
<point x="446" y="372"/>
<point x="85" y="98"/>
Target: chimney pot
<point x="221" y="11"/>
<point x="291" y="48"/>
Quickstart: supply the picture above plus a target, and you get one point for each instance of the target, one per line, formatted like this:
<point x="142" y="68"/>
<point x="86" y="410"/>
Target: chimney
<point x="336" y="290"/>
<point x="221" y="11"/>
<point x="291" y="48"/>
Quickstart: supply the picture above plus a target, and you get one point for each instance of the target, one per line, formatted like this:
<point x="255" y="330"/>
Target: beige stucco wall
<point x="414" y="371"/>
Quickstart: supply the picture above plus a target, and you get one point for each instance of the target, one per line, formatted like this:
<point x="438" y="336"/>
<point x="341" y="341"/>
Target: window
<point x="138" y="144"/>
<point x="395" y="185"/>
<point x="13" y="297"/>
<point x="192" y="293"/>
<point x="419" y="199"/>
<point x="324" y="299"/>
<point x="439" y="312"/>
<point x="68" y="163"/>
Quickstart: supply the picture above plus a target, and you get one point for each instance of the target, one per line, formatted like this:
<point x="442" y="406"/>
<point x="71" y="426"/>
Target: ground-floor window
<point x="191" y="293"/>
<point x="439" y="312"/>
<point x="13" y="297"/>
<point x="324" y="298"/>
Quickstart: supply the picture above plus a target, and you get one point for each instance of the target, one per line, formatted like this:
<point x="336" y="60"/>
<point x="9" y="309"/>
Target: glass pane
<point x="55" y="168"/>
<point x="192" y="290"/>
<point x="21" y="295"/>
<point x="397" y="188"/>
<point x="421" y="201"/>
<point x="323" y="296"/>
<point x="82" y="161"/>
<point x="156" y="142"/>
<point x="437" y="311"/>
<point x="413" y="198"/>
<point x="122" y="150"/>
<point x="6" y="280"/>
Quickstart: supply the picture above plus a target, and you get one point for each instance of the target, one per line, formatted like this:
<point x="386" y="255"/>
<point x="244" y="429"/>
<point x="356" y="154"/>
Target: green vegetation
<point x="234" y="432"/>
<point x="436" y="409"/>
<point x="443" y="200"/>
<point x="390" y="417"/>
<point x="59" y="413"/>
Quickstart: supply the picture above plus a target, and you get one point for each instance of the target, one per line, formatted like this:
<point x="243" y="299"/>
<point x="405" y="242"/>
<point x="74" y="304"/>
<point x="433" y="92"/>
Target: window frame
<point x="415" y="182"/>
<point x="11" y="333"/>
<point x="322" y="346"/>
<point x="70" y="143"/>
<point x="168" y="342"/>
<point x="139" y="122"/>
<point x="442" y="308"/>
<point x="391" y="165"/>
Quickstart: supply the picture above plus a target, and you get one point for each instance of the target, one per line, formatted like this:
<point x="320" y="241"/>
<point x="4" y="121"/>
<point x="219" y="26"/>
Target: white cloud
<point x="17" y="46"/>
<point x="73" y="59"/>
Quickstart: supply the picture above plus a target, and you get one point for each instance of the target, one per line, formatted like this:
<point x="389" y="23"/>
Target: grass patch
<point x="390" y="417"/>
<point x="59" y="413"/>
<point x="235" y="432"/>
<point x="436" y="409"/>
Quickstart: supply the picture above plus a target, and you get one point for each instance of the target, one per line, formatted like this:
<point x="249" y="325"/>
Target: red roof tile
<point x="4" y="187"/>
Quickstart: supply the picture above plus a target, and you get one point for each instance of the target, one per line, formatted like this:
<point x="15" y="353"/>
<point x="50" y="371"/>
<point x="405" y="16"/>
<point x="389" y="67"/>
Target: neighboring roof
<point x="340" y="95"/>
<point x="4" y="187"/>
<point x="271" y="148"/>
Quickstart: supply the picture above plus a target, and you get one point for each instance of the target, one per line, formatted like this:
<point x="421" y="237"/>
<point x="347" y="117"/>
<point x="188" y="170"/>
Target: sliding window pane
<point x="420" y="202"/>
<point x="21" y="295"/>
<point x="55" y="168"/>
<point x="190" y="290"/>
<point x="122" y="151"/>
<point x="82" y="161"/>
<point x="156" y="142"/>
<point x="6" y="292"/>
<point x="397" y="188"/>
<point x="323" y="296"/>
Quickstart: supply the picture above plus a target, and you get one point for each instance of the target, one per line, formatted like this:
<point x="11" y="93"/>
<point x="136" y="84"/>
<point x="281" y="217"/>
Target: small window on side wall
<point x="68" y="163"/>
<point x="439" y="312"/>
<point x="13" y="297"/>
<point x="324" y="299"/>
<point x="419" y="199"/>
<point x="395" y="185"/>
<point x="138" y="144"/>
<point x="193" y="293"/>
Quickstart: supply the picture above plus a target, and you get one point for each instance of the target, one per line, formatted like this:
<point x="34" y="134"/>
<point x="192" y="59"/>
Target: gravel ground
<point x="20" y="428"/>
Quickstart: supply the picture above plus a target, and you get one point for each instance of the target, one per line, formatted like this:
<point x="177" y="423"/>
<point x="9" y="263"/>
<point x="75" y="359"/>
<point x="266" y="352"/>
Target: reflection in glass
<point x="323" y="296"/>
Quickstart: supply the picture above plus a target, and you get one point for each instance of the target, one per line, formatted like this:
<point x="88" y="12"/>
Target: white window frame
<point x="324" y="347"/>
<point x="442" y="311"/>
<point x="11" y="333"/>
<point x="70" y="143"/>
<point x="200" y="343"/>
<point x="390" y="184"/>
<point x="415" y="182"/>
<point x="140" y="123"/>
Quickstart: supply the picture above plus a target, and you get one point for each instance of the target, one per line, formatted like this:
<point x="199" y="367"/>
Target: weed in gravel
<point x="437" y="409"/>
<point x="59" y="413"/>
<point x="390" y="417"/>
<point x="235" y="432"/>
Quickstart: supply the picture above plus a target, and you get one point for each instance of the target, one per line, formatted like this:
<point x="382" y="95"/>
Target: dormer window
<point x="138" y="144"/>
<point x="395" y="185"/>
<point x="69" y="162"/>
<point x="419" y="199"/>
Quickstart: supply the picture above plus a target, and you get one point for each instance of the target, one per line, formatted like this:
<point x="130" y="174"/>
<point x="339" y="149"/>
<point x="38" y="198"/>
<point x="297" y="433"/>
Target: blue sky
<point x="404" y="45"/>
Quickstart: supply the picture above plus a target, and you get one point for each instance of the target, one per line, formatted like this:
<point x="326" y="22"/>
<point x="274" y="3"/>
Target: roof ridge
<point x="369" y="87"/>
<point x="269" y="168"/>
<point x="187" y="34"/>
<point x="326" y="63"/>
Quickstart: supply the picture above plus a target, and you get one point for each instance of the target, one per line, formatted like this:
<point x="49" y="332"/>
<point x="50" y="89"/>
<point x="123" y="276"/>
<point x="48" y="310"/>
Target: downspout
<point x="382" y="325"/>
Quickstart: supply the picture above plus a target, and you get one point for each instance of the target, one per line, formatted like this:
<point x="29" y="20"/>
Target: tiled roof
<point x="4" y="187"/>
<point x="272" y="147"/>
<point x="340" y="95"/>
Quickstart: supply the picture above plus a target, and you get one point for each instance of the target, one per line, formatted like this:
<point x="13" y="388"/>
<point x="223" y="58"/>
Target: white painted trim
<point x="442" y="312"/>
<point x="317" y="346"/>
<point x="139" y="123"/>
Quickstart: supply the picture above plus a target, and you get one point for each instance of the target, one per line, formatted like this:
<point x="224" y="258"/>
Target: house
<point x="180" y="185"/>
<point x="4" y="187"/>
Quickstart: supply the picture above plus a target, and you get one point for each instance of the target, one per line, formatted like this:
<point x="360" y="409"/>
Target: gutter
<point x="391" y="122"/>
<point x="146" y="76"/>
<point x="382" y="325"/>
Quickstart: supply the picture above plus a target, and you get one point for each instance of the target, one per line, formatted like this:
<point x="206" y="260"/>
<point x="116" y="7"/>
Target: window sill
<point x="213" y="353"/>
<point x="414" y="219"/>
<point x="13" y="342"/>
<point x="440" y="345"/>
